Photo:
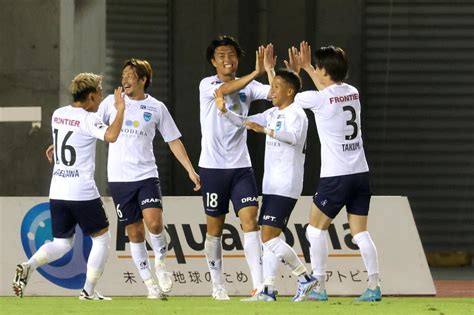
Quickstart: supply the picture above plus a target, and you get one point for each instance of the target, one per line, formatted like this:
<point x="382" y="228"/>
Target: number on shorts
<point x="119" y="212"/>
<point x="211" y="200"/>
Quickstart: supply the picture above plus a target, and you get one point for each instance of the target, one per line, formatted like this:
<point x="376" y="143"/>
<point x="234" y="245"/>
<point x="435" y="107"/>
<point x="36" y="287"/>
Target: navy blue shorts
<point x="276" y="210"/>
<point x="65" y="214"/>
<point x="352" y="191"/>
<point x="219" y="186"/>
<point x="130" y="198"/>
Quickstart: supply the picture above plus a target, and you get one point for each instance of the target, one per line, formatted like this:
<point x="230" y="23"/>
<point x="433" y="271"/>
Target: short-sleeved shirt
<point x="223" y="145"/>
<point x="74" y="138"/>
<point x="131" y="157"/>
<point x="337" y="113"/>
<point x="284" y="162"/>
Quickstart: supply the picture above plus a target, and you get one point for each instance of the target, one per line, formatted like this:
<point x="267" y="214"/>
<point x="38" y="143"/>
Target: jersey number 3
<point x="351" y="122"/>
<point x="64" y="148"/>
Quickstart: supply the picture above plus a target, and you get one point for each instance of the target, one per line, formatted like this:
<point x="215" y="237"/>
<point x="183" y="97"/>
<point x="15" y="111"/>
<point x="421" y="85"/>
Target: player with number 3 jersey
<point x="344" y="177"/>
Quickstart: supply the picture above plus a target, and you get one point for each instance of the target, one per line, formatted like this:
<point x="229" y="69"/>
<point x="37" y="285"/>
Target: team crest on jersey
<point x="147" y="116"/>
<point x="99" y="124"/>
<point x="278" y="126"/>
<point x="242" y="96"/>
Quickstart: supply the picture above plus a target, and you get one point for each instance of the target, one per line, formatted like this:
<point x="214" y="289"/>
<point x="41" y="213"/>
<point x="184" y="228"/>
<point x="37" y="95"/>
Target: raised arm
<point x="269" y="62"/>
<point x="238" y="84"/>
<point x="177" y="147"/>
<point x="305" y="63"/>
<point x="294" y="62"/>
<point x="113" y="131"/>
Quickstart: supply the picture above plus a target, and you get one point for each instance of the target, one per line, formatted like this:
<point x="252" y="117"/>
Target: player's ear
<point x="213" y="61"/>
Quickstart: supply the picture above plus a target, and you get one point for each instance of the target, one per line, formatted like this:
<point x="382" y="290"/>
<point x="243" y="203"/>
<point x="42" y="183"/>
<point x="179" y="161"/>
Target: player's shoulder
<point x="211" y="80"/>
<point x="61" y="110"/>
<point x="151" y="101"/>
<point x="350" y="88"/>
<point x="296" y="109"/>
<point x="109" y="99"/>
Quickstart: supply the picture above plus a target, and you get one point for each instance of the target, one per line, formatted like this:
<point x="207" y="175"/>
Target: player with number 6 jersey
<point x="74" y="198"/>
<point x="133" y="174"/>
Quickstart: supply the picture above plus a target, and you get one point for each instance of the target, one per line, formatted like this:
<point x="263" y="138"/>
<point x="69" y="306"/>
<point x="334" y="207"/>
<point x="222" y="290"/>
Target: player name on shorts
<point x="344" y="98"/>
<point x="350" y="146"/>
<point x="66" y="173"/>
<point x="67" y="121"/>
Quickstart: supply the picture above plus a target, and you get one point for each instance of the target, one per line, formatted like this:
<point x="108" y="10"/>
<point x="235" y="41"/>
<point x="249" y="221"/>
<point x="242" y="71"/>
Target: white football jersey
<point x="224" y="145"/>
<point x="337" y="113"/>
<point x="131" y="157"/>
<point x="284" y="162"/>
<point x="74" y="137"/>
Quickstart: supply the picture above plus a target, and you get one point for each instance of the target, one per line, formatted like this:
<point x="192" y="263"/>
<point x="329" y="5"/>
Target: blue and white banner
<point x="25" y="224"/>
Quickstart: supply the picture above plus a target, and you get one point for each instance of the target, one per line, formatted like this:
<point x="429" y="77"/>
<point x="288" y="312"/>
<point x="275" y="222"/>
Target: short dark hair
<point x="223" y="40"/>
<point x="141" y="67"/>
<point x="291" y="77"/>
<point x="334" y="61"/>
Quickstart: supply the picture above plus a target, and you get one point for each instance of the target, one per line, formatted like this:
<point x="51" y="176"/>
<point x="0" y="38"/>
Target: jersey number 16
<point x="64" y="147"/>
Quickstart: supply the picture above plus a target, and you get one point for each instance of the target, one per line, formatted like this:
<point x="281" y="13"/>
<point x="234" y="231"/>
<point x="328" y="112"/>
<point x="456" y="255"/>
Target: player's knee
<point x="248" y="221"/>
<point x="136" y="233"/>
<point x="155" y="227"/>
<point x="103" y="239"/>
<point x="64" y="243"/>
<point x="249" y="225"/>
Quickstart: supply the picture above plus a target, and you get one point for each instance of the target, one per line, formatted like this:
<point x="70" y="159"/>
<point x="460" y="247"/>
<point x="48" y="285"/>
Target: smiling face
<point x="226" y="62"/>
<point x="281" y="92"/>
<point x="133" y="86"/>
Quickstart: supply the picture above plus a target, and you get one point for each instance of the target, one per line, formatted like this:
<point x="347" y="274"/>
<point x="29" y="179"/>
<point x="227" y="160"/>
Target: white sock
<point x="270" y="267"/>
<point x="160" y="248"/>
<point x="50" y="252"/>
<point x="285" y="254"/>
<point x="319" y="253"/>
<point x="141" y="260"/>
<point x="369" y="256"/>
<point x="96" y="262"/>
<point x="213" y="250"/>
<point x="253" y="254"/>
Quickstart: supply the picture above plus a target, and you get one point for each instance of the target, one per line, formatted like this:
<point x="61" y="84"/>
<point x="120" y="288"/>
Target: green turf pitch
<point x="205" y="305"/>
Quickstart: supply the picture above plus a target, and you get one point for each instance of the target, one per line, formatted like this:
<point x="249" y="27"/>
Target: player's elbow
<point x="110" y="137"/>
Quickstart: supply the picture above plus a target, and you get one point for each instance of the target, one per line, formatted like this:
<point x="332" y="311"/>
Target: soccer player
<point x="74" y="198"/>
<point x="133" y="174"/>
<point x="344" y="178"/>
<point x="224" y="165"/>
<point x="285" y="126"/>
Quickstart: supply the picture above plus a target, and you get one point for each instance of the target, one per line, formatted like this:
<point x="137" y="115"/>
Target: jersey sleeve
<point x="309" y="99"/>
<point x="260" y="118"/>
<point x="94" y="126"/>
<point x="166" y="125"/>
<point x="234" y="118"/>
<point x="258" y="91"/>
<point x="294" y="130"/>
<point x="104" y="109"/>
<point x="206" y="90"/>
